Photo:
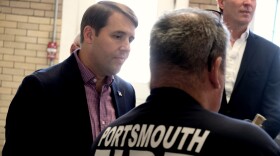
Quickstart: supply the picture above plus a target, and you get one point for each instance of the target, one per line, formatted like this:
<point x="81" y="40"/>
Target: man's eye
<point x="131" y="39"/>
<point x="118" y="36"/>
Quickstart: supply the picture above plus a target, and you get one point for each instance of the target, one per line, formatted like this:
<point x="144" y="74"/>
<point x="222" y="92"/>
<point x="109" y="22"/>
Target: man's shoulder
<point x="54" y="74"/>
<point x="120" y="81"/>
<point x="244" y="131"/>
<point x="261" y="40"/>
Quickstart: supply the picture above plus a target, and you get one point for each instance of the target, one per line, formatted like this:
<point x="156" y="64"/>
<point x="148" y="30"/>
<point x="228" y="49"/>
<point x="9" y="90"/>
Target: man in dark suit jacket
<point x="256" y="89"/>
<point x="61" y="109"/>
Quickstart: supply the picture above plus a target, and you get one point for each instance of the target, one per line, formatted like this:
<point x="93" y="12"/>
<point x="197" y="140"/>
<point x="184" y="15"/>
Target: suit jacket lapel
<point x="250" y="51"/>
<point x="117" y="95"/>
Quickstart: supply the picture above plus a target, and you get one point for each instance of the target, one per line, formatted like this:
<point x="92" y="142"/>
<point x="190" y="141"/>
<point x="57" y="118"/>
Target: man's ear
<point x="220" y="4"/>
<point x="88" y="34"/>
<point x="215" y="73"/>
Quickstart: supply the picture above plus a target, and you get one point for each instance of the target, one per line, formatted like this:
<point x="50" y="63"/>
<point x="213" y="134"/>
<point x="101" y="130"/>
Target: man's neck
<point x="235" y="30"/>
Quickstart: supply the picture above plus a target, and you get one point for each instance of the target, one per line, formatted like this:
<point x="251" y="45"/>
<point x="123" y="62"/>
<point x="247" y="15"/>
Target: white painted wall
<point x="72" y="12"/>
<point x="265" y="20"/>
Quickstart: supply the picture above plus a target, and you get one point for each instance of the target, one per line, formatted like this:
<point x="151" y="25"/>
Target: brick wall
<point x="203" y="4"/>
<point x="26" y="27"/>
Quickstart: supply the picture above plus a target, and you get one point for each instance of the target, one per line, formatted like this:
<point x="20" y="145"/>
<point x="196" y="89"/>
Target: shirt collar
<point x="245" y="35"/>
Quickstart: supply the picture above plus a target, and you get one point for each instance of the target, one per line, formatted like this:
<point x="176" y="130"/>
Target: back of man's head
<point x="76" y="44"/>
<point x="186" y="41"/>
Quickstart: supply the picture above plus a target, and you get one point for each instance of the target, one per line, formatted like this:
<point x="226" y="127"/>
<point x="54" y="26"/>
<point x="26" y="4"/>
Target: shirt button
<point x="103" y="122"/>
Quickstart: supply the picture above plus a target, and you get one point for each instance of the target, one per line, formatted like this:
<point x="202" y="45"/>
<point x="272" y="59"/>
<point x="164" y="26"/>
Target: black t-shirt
<point x="172" y="123"/>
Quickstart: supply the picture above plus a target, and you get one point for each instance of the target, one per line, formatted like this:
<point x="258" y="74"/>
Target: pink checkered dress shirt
<point x="101" y="109"/>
